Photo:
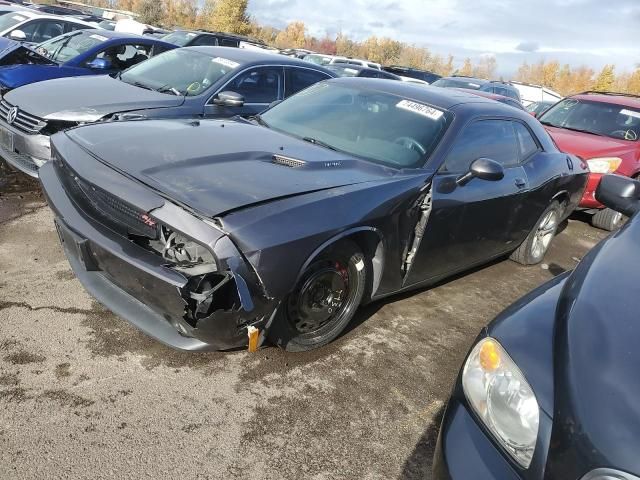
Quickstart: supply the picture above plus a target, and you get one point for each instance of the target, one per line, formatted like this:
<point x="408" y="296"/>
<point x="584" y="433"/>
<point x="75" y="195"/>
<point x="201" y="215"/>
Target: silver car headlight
<point x="500" y="395"/>
<point x="608" y="474"/>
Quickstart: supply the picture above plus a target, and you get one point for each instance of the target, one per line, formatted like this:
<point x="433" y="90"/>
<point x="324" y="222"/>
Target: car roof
<point x="111" y="34"/>
<point x="30" y="14"/>
<point x="613" y="98"/>
<point x="440" y="97"/>
<point x="245" y="55"/>
<point x="463" y="77"/>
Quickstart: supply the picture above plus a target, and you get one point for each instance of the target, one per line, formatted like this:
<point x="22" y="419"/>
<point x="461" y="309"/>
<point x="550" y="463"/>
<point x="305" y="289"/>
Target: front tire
<point x="607" y="219"/>
<point x="324" y="300"/>
<point x="535" y="246"/>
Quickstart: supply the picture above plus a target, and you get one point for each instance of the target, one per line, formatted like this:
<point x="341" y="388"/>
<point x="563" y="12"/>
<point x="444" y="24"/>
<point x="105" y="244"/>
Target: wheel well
<point x="370" y="243"/>
<point x="562" y="198"/>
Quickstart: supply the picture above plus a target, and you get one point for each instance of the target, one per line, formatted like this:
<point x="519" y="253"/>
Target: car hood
<point x="15" y="76"/>
<point x="86" y="98"/>
<point x="597" y="412"/>
<point x="215" y="166"/>
<point x="588" y="146"/>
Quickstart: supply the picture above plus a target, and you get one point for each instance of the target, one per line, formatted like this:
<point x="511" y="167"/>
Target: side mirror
<point x="274" y="103"/>
<point x="18" y="35"/>
<point x="534" y="114"/>
<point x="619" y="193"/>
<point x="484" y="169"/>
<point x="228" y="99"/>
<point x="100" y="64"/>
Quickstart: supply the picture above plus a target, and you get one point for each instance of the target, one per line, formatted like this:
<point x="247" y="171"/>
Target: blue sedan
<point x="83" y="52"/>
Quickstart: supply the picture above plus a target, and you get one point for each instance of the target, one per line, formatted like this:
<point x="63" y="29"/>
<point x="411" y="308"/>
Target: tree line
<point x="232" y="16"/>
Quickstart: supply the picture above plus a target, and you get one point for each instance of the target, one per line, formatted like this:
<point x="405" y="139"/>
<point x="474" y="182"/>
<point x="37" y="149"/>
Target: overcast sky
<point x="589" y="32"/>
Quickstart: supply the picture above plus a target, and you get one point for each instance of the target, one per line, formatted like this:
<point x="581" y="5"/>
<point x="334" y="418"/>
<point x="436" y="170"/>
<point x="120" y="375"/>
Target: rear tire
<point x="607" y="219"/>
<point x="324" y="300"/>
<point x="535" y="246"/>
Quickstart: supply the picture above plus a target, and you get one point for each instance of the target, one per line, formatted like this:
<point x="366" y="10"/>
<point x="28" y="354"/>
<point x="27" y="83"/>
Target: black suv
<point x="194" y="38"/>
<point x="471" y="83"/>
<point x="413" y="73"/>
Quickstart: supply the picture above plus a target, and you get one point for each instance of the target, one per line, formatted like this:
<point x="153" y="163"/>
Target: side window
<point x="301" y="78"/>
<point x="528" y="145"/>
<point x="258" y="85"/>
<point x="124" y="56"/>
<point x="368" y="74"/>
<point x="494" y="139"/>
<point x="205" y="40"/>
<point x="229" y="42"/>
<point x="41" y="30"/>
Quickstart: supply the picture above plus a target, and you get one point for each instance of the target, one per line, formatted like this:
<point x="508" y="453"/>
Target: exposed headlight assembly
<point x="608" y="474"/>
<point x="500" y="395"/>
<point x="604" y="164"/>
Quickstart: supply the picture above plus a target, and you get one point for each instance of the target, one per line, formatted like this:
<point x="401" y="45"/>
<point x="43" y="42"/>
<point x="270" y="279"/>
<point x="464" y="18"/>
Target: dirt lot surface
<point x="84" y="395"/>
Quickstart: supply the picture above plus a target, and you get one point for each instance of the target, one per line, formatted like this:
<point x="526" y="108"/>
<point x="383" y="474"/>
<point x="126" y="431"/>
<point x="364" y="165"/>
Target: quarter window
<point x="493" y="139"/>
<point x="526" y="142"/>
<point x="258" y="85"/>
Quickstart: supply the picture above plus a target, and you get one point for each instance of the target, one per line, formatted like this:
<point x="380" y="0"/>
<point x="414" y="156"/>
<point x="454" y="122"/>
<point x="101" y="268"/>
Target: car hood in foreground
<point x="586" y="145"/>
<point x="216" y="166"/>
<point x="86" y="98"/>
<point x="597" y="393"/>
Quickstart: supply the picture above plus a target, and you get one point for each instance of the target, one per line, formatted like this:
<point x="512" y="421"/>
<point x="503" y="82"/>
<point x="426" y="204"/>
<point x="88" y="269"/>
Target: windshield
<point x="317" y="59"/>
<point x="66" y="47"/>
<point x="183" y="72"/>
<point x="598" y="118"/>
<point x="373" y="125"/>
<point x="8" y="21"/>
<point x="179" y="38"/>
<point x="457" y="83"/>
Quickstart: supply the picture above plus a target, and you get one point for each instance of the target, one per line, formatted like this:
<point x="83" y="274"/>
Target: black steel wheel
<point x="323" y="301"/>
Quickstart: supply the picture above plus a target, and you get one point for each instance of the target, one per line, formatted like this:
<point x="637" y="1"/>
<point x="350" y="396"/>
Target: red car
<point x="603" y="129"/>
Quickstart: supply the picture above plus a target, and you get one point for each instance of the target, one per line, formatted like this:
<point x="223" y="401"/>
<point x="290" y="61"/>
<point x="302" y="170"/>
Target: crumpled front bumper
<point x="140" y="287"/>
<point x="29" y="152"/>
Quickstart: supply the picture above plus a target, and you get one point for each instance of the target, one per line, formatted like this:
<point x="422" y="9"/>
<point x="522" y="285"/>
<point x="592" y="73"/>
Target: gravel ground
<point x="84" y="395"/>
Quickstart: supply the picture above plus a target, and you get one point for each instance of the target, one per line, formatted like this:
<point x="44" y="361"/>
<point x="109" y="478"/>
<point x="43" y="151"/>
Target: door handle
<point x="520" y="183"/>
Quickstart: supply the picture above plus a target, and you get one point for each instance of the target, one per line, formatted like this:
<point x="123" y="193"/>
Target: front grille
<point x="24" y="122"/>
<point x="102" y="206"/>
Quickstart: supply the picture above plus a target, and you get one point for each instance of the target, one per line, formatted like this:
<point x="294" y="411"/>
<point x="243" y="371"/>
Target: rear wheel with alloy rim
<point x="535" y="246"/>
<point x="323" y="301"/>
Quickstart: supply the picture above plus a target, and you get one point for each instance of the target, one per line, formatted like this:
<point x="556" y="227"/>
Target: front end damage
<point x="175" y="276"/>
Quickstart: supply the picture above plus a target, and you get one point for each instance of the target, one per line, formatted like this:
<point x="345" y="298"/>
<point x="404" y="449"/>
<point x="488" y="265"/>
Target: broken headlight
<point x="182" y="253"/>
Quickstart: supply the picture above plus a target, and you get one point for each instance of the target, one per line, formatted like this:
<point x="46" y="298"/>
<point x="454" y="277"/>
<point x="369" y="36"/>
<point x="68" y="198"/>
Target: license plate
<point x="6" y="139"/>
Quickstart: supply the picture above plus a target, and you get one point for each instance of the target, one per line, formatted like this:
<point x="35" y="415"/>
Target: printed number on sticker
<point x="420" y="109"/>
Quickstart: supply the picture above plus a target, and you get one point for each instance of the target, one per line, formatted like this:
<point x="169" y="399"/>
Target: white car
<point x="321" y="59"/>
<point x="34" y="27"/>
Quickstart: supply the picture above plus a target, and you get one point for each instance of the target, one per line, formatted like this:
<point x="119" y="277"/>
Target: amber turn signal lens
<point x="489" y="356"/>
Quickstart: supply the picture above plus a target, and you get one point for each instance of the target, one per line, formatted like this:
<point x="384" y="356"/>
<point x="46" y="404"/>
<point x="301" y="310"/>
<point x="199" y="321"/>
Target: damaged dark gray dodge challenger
<point x="211" y="234"/>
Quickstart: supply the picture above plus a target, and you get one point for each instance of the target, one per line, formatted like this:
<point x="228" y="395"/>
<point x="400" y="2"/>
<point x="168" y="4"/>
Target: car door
<point x="299" y="78"/>
<point x="260" y="86"/>
<point x="472" y="223"/>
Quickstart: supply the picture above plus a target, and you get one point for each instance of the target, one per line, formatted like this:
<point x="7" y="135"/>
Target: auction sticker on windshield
<point x="630" y="113"/>
<point x="420" y="109"/>
<point x="98" y="37"/>
<point x="225" y="62"/>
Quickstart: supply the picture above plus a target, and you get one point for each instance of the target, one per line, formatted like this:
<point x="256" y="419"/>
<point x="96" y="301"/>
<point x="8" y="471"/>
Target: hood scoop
<point x="287" y="161"/>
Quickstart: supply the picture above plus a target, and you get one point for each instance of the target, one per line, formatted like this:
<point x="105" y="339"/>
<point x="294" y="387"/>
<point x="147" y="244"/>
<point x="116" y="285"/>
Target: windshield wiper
<point x="584" y="131"/>
<point x="167" y="88"/>
<point x="258" y="118"/>
<point x="320" y="143"/>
